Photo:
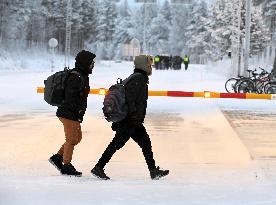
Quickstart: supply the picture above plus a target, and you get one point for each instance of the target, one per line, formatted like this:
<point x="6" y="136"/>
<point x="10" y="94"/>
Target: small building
<point x="130" y="49"/>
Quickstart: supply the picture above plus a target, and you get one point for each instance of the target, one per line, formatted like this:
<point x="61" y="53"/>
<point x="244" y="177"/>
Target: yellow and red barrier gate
<point x="204" y="94"/>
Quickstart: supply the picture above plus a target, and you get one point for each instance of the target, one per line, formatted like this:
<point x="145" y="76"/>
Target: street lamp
<point x="145" y="2"/>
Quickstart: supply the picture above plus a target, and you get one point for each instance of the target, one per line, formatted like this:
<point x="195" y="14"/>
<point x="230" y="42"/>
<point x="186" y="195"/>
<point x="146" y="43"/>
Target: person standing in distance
<point x="132" y="126"/>
<point x="186" y="61"/>
<point x="72" y="110"/>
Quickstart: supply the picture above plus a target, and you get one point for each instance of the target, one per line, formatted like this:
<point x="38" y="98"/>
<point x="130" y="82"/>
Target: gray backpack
<point x="115" y="108"/>
<point x="54" y="91"/>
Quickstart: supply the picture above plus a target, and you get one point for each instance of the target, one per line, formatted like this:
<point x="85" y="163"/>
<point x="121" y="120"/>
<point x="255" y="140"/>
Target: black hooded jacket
<point x="76" y="93"/>
<point x="136" y="97"/>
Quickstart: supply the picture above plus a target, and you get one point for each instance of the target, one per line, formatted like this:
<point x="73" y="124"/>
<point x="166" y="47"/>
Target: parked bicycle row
<point x="257" y="82"/>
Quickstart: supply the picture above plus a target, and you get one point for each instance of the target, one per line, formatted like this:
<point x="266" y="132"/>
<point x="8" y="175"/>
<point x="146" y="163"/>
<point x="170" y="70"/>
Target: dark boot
<point x="99" y="173"/>
<point x="157" y="173"/>
<point x="56" y="160"/>
<point x="69" y="169"/>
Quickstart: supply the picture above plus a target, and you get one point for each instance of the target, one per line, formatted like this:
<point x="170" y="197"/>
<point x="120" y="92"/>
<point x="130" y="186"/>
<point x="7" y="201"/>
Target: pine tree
<point x="54" y="12"/>
<point x="200" y="42"/>
<point x="106" y="28"/>
<point x="223" y="27"/>
<point x="159" y="31"/>
<point x="16" y="19"/>
<point x="178" y="35"/>
<point x="89" y="16"/>
<point x="259" y="32"/>
<point x="269" y="12"/>
<point x="124" y="32"/>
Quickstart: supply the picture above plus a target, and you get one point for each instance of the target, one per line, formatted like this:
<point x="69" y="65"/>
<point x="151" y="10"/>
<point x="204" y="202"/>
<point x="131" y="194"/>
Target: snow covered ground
<point x="208" y="162"/>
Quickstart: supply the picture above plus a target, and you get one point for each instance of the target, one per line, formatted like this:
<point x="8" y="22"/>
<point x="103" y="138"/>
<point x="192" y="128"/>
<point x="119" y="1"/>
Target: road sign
<point x="53" y="43"/>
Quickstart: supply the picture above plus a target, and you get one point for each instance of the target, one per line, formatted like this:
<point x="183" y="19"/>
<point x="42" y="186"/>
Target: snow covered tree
<point x="35" y="26"/>
<point x="14" y="23"/>
<point x="180" y="22"/>
<point x="160" y="31"/>
<point x="107" y="15"/>
<point x="223" y="27"/>
<point x="199" y="43"/>
<point x="146" y="13"/>
<point x="54" y="12"/>
<point x="166" y="11"/>
<point x="124" y="32"/>
<point x="259" y="32"/>
<point x="89" y="22"/>
<point x="269" y="12"/>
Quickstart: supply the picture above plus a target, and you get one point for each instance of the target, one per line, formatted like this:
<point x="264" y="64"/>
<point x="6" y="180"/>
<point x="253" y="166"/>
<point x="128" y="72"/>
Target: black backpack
<point x="115" y="108"/>
<point x="54" y="91"/>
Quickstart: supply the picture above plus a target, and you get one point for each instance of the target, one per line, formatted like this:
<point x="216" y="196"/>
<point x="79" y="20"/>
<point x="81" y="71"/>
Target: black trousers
<point x="186" y="66"/>
<point x="123" y="133"/>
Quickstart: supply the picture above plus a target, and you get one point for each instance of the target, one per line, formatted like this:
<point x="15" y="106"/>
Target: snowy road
<point x="212" y="156"/>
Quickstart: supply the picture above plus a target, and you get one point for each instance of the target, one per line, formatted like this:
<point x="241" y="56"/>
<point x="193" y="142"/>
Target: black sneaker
<point x="56" y="160"/>
<point x="69" y="169"/>
<point x="158" y="173"/>
<point x="99" y="173"/>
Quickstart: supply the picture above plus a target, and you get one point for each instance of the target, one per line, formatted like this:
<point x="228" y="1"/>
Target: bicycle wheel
<point x="268" y="85"/>
<point x="246" y="86"/>
<point x="259" y="86"/>
<point x="271" y="89"/>
<point x="230" y="85"/>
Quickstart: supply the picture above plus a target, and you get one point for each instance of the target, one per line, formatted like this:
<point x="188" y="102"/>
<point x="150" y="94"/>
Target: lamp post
<point x="53" y="44"/>
<point x="3" y="12"/>
<point x="68" y="33"/>
<point x="145" y="2"/>
<point x="247" y="34"/>
<point x="236" y="38"/>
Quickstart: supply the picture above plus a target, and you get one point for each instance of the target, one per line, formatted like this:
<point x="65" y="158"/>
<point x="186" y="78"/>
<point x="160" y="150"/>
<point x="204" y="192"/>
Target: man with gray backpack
<point x="69" y="90"/>
<point x="125" y="105"/>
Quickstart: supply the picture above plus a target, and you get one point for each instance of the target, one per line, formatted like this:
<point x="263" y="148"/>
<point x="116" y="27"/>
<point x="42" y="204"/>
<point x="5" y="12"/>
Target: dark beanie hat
<point x="84" y="59"/>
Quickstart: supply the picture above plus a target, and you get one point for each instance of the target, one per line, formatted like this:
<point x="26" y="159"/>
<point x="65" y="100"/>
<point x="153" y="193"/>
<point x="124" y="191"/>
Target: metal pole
<point x="68" y="33"/>
<point x="144" y="35"/>
<point x="2" y="18"/>
<point x="247" y="34"/>
<point x="52" y="59"/>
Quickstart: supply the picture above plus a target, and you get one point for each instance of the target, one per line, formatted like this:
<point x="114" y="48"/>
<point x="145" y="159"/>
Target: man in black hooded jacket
<point x="132" y="126"/>
<point x="72" y="110"/>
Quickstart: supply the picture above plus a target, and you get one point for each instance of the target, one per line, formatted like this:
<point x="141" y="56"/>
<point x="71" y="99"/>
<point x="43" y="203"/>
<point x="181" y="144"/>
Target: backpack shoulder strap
<point x="78" y="74"/>
<point x="125" y="81"/>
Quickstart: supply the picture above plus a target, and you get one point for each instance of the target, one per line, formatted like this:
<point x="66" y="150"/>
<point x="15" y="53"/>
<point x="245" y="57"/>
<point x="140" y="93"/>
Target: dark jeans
<point x="186" y="66"/>
<point x="123" y="133"/>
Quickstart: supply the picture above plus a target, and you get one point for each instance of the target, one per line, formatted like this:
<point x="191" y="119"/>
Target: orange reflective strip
<point x="40" y="90"/>
<point x="258" y="96"/>
<point x="199" y="94"/>
<point x="158" y="93"/>
<point x="205" y="94"/>
<point x="214" y="95"/>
